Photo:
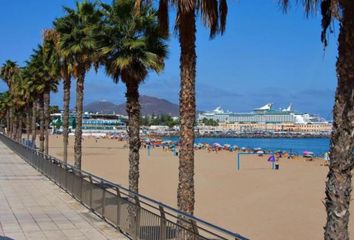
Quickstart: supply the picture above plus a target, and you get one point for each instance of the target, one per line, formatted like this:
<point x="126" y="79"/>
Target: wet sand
<point x="256" y="202"/>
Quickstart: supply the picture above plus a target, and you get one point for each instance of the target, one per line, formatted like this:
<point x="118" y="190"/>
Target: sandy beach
<point x="256" y="202"/>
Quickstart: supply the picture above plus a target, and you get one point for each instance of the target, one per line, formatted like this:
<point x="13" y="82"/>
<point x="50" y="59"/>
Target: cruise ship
<point x="265" y="114"/>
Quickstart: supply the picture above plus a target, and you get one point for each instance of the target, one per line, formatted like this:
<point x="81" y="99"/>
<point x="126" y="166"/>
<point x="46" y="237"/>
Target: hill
<point x="149" y="106"/>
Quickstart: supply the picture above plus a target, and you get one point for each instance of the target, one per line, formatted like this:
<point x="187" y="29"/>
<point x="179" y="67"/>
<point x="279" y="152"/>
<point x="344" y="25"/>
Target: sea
<point x="293" y="145"/>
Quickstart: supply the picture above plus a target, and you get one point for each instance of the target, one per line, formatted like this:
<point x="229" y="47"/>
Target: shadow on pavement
<point x="5" y="238"/>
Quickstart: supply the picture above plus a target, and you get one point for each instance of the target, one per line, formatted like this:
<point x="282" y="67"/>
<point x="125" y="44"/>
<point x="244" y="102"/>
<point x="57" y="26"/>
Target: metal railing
<point x="137" y="216"/>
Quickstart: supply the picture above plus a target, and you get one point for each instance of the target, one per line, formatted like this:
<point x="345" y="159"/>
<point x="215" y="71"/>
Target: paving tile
<point x="49" y="226"/>
<point x="55" y="235"/>
<point x="30" y="227"/>
<point x="74" y="233"/>
<point x="1" y="231"/>
<point x="16" y="236"/>
<point x="11" y="228"/>
<point x="35" y="235"/>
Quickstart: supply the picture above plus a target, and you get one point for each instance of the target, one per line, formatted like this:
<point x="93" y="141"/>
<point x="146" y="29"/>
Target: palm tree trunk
<point x="28" y="122"/>
<point x="34" y="126"/>
<point x="339" y="184"/>
<point x="11" y="117"/>
<point x="133" y="128"/>
<point x="66" y="113"/>
<point x="14" y="127"/>
<point x="8" y="122"/>
<point x="19" y="130"/>
<point x="185" y="192"/>
<point x="46" y="99"/>
<point x="41" y="124"/>
<point x="79" y="112"/>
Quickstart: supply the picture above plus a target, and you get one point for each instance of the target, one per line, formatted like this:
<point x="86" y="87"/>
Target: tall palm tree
<point x="131" y="46"/>
<point x="18" y="103"/>
<point x="65" y="71"/>
<point x="213" y="13"/>
<point x="77" y="44"/>
<point x="7" y="73"/>
<point x="36" y="68"/>
<point x="339" y="177"/>
<point x="34" y="84"/>
<point x="51" y="63"/>
<point x="29" y="99"/>
<point x="34" y="122"/>
<point x="4" y="107"/>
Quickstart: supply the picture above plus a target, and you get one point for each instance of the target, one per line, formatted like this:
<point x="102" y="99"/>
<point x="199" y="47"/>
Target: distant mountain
<point x="101" y="107"/>
<point x="149" y="106"/>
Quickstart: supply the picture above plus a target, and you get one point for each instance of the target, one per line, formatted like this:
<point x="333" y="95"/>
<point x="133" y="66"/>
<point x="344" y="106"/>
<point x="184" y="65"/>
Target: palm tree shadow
<point x="5" y="238"/>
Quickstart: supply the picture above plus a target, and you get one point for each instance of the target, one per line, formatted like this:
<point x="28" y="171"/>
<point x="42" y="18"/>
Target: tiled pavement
<point x="32" y="207"/>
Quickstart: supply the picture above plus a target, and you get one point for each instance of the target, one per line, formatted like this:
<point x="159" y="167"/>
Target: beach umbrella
<point x="260" y="152"/>
<point x="271" y="159"/>
<point x="308" y="154"/>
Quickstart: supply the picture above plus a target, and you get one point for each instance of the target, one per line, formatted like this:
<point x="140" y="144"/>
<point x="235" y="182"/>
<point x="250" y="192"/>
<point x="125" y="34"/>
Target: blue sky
<point x="264" y="56"/>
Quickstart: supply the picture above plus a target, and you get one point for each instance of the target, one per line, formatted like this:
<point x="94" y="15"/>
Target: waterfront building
<point x="95" y="123"/>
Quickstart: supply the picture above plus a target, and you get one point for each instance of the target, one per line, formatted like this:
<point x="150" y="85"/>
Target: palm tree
<point x="51" y="63"/>
<point x="18" y="103"/>
<point x="44" y="71"/>
<point x="29" y="100"/>
<point x="131" y="46"/>
<point x="66" y="75"/>
<point x="36" y="68"/>
<point x="339" y="184"/>
<point x="65" y="71"/>
<point x="77" y="44"/>
<point x="7" y="73"/>
<point x="213" y="13"/>
<point x="4" y="107"/>
<point x="34" y="122"/>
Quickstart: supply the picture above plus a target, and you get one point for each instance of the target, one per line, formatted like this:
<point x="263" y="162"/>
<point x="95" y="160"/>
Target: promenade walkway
<point x="32" y="207"/>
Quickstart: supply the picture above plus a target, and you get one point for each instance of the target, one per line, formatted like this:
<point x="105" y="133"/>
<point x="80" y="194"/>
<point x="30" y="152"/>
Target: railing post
<point x="90" y="178"/>
<point x="194" y="229"/>
<point x="162" y="223"/>
<point x="80" y="190"/>
<point x="73" y="183"/>
<point x="103" y="198"/>
<point x="137" y="218"/>
<point x="66" y="178"/>
<point x="118" y="207"/>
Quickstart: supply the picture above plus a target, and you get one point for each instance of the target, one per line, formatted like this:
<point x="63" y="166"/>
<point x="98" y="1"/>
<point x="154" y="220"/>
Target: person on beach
<point x="326" y="159"/>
